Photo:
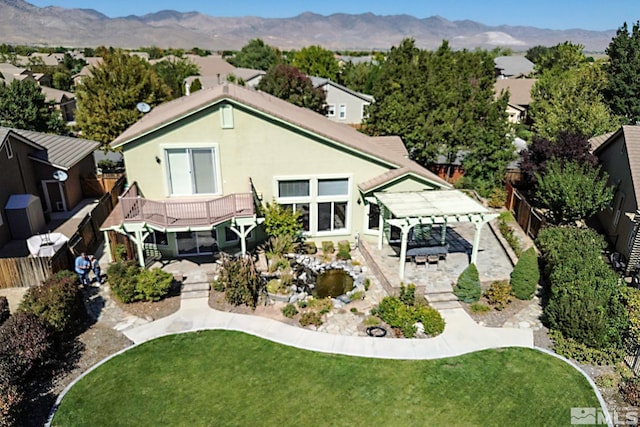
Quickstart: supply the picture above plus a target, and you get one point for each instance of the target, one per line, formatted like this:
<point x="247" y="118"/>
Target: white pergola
<point x="405" y="210"/>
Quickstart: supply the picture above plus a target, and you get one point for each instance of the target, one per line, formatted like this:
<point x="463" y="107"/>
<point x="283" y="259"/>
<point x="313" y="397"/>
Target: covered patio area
<point x="421" y="211"/>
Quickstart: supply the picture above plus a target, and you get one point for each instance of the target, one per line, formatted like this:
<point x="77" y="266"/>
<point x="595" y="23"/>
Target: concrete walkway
<point x="461" y="335"/>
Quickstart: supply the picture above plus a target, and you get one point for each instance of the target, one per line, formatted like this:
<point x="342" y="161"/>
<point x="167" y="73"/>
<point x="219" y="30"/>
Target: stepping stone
<point x="444" y="305"/>
<point x="195" y="294"/>
<point x="191" y="287"/>
<point x="440" y="296"/>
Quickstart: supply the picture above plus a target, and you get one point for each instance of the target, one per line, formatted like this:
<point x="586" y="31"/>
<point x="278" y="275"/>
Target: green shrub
<point x="572" y="349"/>
<point x="468" y="287"/>
<point x="217" y="286"/>
<point x="289" y="311"/>
<point x="280" y="221"/>
<point x="394" y="312"/>
<point x="353" y="310"/>
<point x="309" y="248"/>
<point x="107" y="166"/>
<point x="344" y="250"/>
<point x="152" y="285"/>
<point x="371" y="321"/>
<point x="526" y="275"/>
<point x="24" y="345"/>
<point x="499" y="294"/>
<point x="585" y="301"/>
<point x="122" y="279"/>
<point x="327" y="247"/>
<point x="608" y="380"/>
<point x="356" y="296"/>
<point x="302" y="303"/>
<point x="242" y="281"/>
<point x="509" y="236"/>
<point x="323" y="305"/>
<point x="479" y="308"/>
<point x="274" y="286"/>
<point x="632" y="303"/>
<point x="431" y="320"/>
<point x="120" y="252"/>
<point x="4" y="309"/>
<point x="310" y="318"/>
<point x="408" y="294"/>
<point x="498" y="198"/>
<point x="57" y="303"/>
<point x="278" y="246"/>
<point x="367" y="283"/>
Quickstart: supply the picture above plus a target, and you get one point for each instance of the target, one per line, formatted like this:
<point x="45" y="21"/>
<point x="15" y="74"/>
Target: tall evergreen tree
<point x="107" y="99"/>
<point x="622" y="92"/>
<point x="23" y="106"/>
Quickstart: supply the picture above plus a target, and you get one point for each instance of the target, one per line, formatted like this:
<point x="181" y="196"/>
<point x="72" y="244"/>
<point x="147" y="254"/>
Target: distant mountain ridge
<point x="24" y="23"/>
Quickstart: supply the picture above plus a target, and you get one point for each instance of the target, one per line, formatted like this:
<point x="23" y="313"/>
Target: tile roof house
<point x="198" y="165"/>
<point x="519" y="97"/>
<point x="619" y="155"/>
<point x="28" y="161"/>
<point x="64" y="101"/>
<point x="343" y="104"/>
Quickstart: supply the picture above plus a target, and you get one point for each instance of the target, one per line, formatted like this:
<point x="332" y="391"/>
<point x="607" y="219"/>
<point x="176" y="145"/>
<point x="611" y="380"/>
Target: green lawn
<point x="222" y="378"/>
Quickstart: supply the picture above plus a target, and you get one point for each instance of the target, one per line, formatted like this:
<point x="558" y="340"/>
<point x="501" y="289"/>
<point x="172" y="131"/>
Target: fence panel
<point x="526" y="215"/>
<point x="23" y="272"/>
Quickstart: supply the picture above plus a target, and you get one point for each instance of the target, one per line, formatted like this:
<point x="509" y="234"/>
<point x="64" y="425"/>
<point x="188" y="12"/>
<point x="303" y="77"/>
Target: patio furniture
<point x="433" y="259"/>
<point x="420" y="259"/>
<point x="440" y="251"/>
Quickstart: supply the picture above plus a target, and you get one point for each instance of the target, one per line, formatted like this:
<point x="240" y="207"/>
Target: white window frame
<point x="313" y="199"/>
<point x="190" y="146"/>
<point x="9" y="150"/>
<point x="331" y="110"/>
<point x="342" y="111"/>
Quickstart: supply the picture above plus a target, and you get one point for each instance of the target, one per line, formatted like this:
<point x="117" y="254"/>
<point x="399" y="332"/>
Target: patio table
<point x="440" y="251"/>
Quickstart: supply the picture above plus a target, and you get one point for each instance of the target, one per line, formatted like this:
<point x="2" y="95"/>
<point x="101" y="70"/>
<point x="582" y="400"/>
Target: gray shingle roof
<point x="321" y="81"/>
<point x="513" y="65"/>
<point x="62" y="152"/>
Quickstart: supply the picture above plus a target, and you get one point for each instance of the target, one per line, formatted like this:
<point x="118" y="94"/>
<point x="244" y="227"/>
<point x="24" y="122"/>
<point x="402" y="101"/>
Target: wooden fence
<point x="526" y="215"/>
<point x="30" y="271"/>
<point x="96" y="186"/>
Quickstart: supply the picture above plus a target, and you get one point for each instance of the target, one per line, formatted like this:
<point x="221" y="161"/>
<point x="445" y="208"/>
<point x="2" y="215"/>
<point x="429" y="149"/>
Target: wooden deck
<point x="133" y="207"/>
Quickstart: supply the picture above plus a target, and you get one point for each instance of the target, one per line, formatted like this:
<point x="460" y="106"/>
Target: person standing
<point x="82" y="266"/>
<point x="95" y="267"/>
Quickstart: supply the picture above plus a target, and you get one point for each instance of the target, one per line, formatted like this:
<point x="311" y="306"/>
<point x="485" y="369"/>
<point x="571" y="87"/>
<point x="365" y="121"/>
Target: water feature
<point x="333" y="283"/>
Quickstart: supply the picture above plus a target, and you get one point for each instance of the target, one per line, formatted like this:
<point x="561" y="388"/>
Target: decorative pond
<point x="333" y="283"/>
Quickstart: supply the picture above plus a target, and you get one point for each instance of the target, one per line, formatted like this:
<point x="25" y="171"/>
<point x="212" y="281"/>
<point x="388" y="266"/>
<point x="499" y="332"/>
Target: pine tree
<point x="23" y="106"/>
<point x="623" y="73"/>
<point x="525" y="275"/>
<point x="468" y="287"/>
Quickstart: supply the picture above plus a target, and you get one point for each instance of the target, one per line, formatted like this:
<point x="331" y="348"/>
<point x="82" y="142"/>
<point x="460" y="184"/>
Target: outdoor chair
<point x="420" y="259"/>
<point x="433" y="259"/>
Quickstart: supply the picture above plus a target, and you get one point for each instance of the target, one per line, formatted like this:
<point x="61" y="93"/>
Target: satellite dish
<point x="60" y="176"/>
<point x="143" y="107"/>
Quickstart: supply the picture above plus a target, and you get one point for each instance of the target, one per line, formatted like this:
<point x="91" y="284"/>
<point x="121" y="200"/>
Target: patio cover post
<point x="381" y="226"/>
<point x="139" y="243"/>
<point x="403" y="249"/>
<point x="245" y="228"/>
<point x="476" y="241"/>
<point x="443" y="233"/>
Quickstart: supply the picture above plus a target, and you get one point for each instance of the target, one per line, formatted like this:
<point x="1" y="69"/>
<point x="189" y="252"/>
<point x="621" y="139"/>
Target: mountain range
<point x="24" y="23"/>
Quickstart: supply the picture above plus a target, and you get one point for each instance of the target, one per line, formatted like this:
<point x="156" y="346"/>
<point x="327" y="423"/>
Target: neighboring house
<point x="509" y="67"/>
<point x="619" y="155"/>
<point x="250" y="76"/>
<point x="344" y="59"/>
<point x="198" y="166"/>
<point x="343" y="104"/>
<point x="28" y="161"/>
<point x="9" y="73"/>
<point x="212" y="66"/>
<point x="48" y="59"/>
<point x="519" y="97"/>
<point x="63" y="101"/>
<point x="92" y="61"/>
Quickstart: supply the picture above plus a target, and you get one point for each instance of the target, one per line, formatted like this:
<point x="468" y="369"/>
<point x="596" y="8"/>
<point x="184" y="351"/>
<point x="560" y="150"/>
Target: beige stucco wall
<point x="260" y="149"/>
<point x="615" y="162"/>
<point x="353" y="103"/>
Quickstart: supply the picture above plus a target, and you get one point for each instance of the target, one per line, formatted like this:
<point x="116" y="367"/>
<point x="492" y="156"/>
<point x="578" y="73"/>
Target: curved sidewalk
<point x="461" y="335"/>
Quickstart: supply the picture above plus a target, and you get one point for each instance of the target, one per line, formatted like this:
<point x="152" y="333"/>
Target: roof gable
<point x="631" y="139"/>
<point x="310" y="122"/>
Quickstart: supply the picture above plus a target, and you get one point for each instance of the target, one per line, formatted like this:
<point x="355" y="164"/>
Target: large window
<point x="323" y="204"/>
<point x="342" y="111"/>
<point x="192" y="171"/>
<point x="196" y="242"/>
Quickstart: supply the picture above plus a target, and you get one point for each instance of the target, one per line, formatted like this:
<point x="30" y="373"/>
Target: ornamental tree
<point x="288" y="83"/>
<point x="316" y="61"/>
<point x="23" y="106"/>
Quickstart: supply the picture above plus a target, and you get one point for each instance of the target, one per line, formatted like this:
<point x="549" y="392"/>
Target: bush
<point x="24" y="344"/>
<point x="323" y="305"/>
<point x="572" y="349"/>
<point x="278" y="246"/>
<point x="526" y="275"/>
<point x="327" y="247"/>
<point x="57" y="303"/>
<point x="310" y="318"/>
<point x="356" y="296"/>
<point x="630" y="391"/>
<point x="632" y="303"/>
<point x="585" y="301"/>
<point x="371" y="321"/>
<point x="468" y="287"/>
<point x="309" y="248"/>
<point x="479" y="308"/>
<point x="344" y="250"/>
<point x="11" y="399"/>
<point x="394" y="312"/>
<point x="122" y="279"/>
<point x="367" y="283"/>
<point x="129" y="282"/>
<point x="499" y="294"/>
<point x="280" y="221"/>
<point x="4" y="309"/>
<point x="408" y="294"/>
<point x="509" y="236"/>
<point x="217" y="286"/>
<point x="120" y="252"/>
<point x="289" y="311"/>
<point x="498" y="198"/>
<point x="242" y="281"/>
<point x="152" y="285"/>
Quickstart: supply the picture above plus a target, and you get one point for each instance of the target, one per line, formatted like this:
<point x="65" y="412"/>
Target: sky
<point x="553" y="14"/>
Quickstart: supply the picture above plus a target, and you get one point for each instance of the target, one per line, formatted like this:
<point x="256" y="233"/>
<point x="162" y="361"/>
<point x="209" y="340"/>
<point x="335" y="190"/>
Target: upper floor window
<point x="9" y="150"/>
<point x="342" y="111"/>
<point x="331" y="110"/>
<point x="192" y="171"/>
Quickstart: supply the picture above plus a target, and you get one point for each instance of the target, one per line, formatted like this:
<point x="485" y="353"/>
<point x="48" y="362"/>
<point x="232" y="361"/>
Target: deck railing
<point x="170" y="213"/>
